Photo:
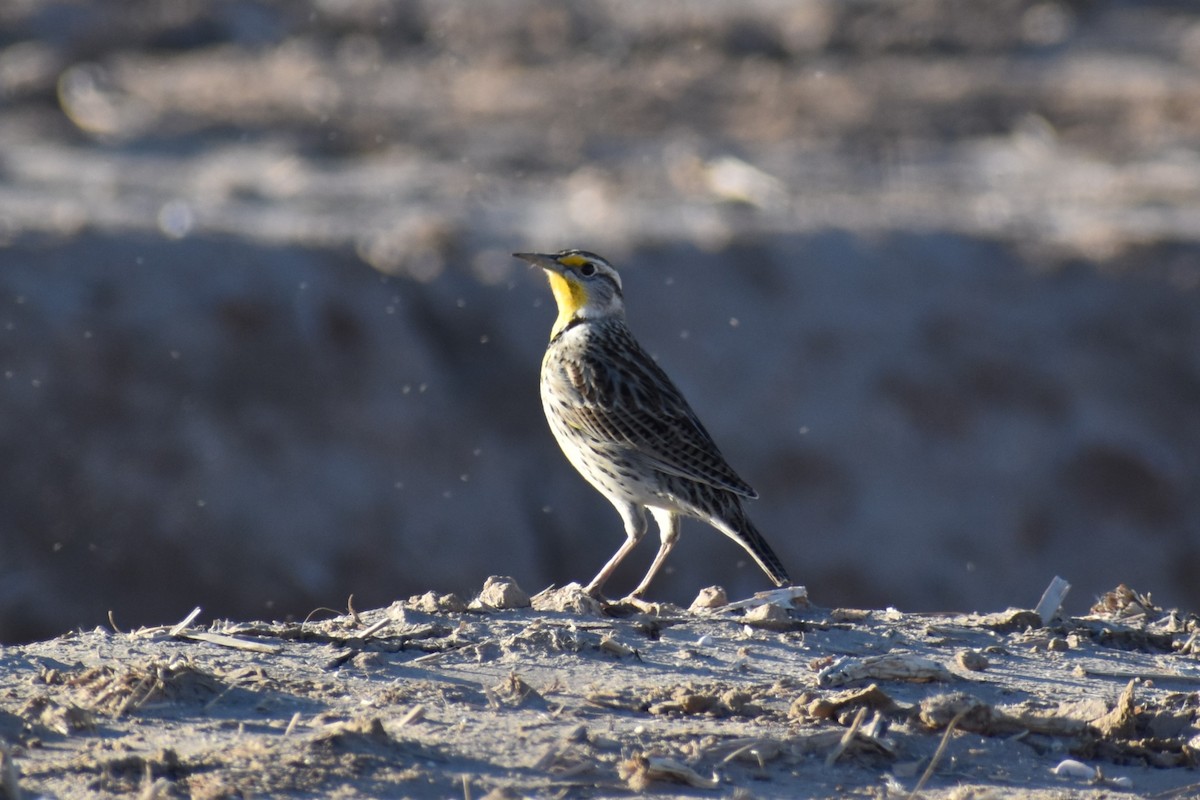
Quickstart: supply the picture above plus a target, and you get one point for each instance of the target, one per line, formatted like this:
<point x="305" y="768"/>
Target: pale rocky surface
<point x="930" y="273"/>
<point x="415" y="700"/>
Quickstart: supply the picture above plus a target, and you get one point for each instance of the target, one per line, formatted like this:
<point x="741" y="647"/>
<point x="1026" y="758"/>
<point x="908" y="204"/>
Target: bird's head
<point x="585" y="286"/>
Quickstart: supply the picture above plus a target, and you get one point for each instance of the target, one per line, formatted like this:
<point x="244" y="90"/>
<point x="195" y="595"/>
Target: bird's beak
<point x="541" y="260"/>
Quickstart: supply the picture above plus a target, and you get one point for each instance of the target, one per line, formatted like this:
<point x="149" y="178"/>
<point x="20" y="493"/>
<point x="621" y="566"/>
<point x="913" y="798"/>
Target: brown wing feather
<point x="625" y="398"/>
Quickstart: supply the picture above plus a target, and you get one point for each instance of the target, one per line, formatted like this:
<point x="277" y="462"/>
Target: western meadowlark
<point x="622" y="423"/>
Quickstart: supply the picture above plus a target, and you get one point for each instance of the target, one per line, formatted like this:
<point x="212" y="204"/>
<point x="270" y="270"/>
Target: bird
<point x="626" y="428"/>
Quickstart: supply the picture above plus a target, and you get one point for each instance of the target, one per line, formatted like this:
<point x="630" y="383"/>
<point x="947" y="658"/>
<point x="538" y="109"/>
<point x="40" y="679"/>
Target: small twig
<point x="353" y="613"/>
<point x="437" y="655"/>
<point x="112" y="622"/>
<point x="466" y="787"/>
<point x="375" y="628"/>
<point x="292" y="723"/>
<point x="234" y="642"/>
<point x="414" y="714"/>
<point x="755" y="747"/>
<point x="746" y="748"/>
<point x="937" y="754"/>
<point x="183" y="624"/>
<point x="847" y="738"/>
<point x="308" y="618"/>
<point x="132" y="701"/>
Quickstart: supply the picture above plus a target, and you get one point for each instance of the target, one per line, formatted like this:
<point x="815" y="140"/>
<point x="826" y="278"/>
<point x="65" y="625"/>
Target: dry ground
<point x="437" y="698"/>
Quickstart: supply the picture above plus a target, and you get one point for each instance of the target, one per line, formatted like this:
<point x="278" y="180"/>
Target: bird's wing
<point x="630" y="402"/>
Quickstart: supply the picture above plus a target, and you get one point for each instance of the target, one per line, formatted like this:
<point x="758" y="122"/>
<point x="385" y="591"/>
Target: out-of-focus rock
<point x="502" y="592"/>
<point x="570" y="599"/>
<point x="709" y="597"/>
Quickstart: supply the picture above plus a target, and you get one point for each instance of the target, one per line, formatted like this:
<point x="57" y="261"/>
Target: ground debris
<point x="690" y="700"/>
<point x="1049" y="722"/>
<point x="1161" y="753"/>
<point x="1050" y="605"/>
<point x="434" y="603"/>
<point x="1122" y="720"/>
<point x="610" y="644"/>
<point x="971" y="660"/>
<point x="971" y="713"/>
<point x="807" y="705"/>
<point x="1122" y="735"/>
<point x="832" y="740"/>
<point x="981" y="717"/>
<point x="1010" y="621"/>
<point x="756" y="750"/>
<point x="541" y="636"/>
<point x="645" y="609"/>
<point x="43" y="712"/>
<point x="1160" y="733"/>
<point x="569" y="599"/>
<point x="703" y="692"/>
<point x="890" y="667"/>
<point x="786" y="597"/>
<point x="709" y="598"/>
<point x="1077" y="770"/>
<point x="1123" y="602"/>
<point x="1070" y="768"/>
<point x="118" y="774"/>
<point x="772" y="617"/>
<point x="1125" y="637"/>
<point x="514" y="692"/>
<point x="640" y="771"/>
<point x="118" y="689"/>
<point x="362" y="734"/>
<point x="501" y="593"/>
<point x="617" y="700"/>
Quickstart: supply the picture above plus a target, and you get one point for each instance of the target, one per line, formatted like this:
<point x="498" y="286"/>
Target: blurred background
<point x="929" y="271"/>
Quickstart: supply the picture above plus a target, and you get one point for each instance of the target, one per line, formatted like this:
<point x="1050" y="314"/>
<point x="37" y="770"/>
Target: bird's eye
<point x="587" y="270"/>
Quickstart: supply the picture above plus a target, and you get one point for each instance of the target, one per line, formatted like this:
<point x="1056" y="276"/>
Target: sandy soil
<point x="437" y="698"/>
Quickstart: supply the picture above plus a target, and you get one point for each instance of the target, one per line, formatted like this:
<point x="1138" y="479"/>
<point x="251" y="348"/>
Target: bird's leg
<point x="668" y="532"/>
<point x="635" y="528"/>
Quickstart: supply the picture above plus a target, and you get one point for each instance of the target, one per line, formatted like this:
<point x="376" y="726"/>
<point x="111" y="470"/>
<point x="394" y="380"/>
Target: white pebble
<point x="1070" y="768"/>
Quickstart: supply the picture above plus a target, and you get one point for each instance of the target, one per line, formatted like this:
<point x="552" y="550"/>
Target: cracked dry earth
<point x="435" y="697"/>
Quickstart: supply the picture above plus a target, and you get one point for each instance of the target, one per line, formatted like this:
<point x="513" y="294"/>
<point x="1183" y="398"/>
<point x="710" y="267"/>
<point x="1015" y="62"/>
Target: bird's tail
<point x="738" y="527"/>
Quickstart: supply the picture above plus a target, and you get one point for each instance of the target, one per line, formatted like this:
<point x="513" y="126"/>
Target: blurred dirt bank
<point x="929" y="272"/>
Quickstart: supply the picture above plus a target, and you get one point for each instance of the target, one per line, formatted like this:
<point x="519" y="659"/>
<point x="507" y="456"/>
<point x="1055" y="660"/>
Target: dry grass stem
<point x="186" y="622"/>
<point x="847" y="738"/>
<point x="937" y="754"/>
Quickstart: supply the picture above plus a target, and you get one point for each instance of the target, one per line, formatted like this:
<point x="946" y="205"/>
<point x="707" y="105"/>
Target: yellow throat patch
<point x="570" y="297"/>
